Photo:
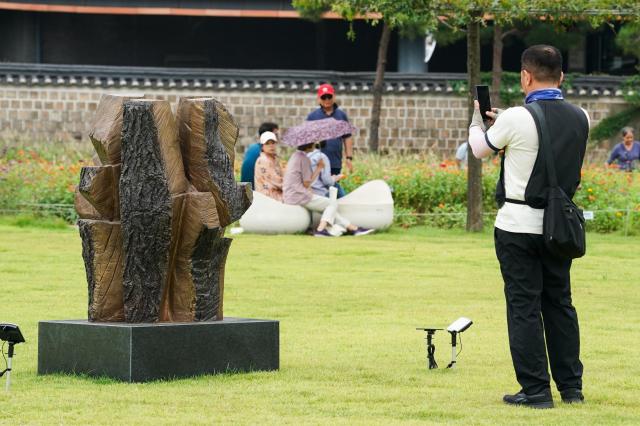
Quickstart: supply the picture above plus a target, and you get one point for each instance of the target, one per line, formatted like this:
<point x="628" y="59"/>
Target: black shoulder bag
<point x="563" y="223"/>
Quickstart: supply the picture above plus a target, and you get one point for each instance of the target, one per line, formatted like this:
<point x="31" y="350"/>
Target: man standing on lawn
<point x="537" y="284"/>
<point x="333" y="149"/>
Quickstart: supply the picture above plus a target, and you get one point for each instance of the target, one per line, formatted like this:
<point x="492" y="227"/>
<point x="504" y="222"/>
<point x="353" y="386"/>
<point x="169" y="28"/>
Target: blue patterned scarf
<point x="543" y="94"/>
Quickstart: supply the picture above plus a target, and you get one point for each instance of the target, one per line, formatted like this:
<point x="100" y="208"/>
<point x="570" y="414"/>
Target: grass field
<point x="349" y="351"/>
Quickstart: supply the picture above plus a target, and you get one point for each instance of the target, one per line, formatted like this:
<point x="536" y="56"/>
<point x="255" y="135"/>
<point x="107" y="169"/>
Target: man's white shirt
<point x="516" y="133"/>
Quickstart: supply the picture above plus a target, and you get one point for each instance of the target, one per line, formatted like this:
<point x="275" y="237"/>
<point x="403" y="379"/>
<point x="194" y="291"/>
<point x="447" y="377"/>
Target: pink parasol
<point x="316" y="131"/>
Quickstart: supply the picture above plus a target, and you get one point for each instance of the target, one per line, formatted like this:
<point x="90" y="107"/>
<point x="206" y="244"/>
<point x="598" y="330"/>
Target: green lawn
<point x="349" y="350"/>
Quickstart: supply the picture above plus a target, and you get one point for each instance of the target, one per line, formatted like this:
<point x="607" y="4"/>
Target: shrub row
<point x="434" y="192"/>
<point x="426" y="190"/>
<point x="31" y="181"/>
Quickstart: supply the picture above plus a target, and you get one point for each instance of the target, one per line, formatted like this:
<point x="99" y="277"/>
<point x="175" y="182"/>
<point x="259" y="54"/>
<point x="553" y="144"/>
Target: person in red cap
<point x="333" y="147"/>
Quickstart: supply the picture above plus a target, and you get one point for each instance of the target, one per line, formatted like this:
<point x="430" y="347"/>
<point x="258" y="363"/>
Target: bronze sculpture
<point x="153" y="214"/>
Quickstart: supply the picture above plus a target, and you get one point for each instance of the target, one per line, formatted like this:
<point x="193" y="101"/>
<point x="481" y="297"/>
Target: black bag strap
<point x="545" y="143"/>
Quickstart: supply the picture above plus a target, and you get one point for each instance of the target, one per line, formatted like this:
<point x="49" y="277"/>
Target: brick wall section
<point x="410" y="122"/>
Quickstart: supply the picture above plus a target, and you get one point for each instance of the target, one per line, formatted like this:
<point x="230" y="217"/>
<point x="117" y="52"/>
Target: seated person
<point x="325" y="180"/>
<point x="297" y="190"/>
<point x="268" y="173"/>
<point x="626" y="153"/>
<point x="252" y="153"/>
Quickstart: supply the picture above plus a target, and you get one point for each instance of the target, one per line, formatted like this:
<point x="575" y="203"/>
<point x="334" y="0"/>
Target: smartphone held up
<point x="482" y="96"/>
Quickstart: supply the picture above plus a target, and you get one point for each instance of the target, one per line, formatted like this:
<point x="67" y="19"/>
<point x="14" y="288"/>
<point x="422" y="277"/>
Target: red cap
<point x="326" y="89"/>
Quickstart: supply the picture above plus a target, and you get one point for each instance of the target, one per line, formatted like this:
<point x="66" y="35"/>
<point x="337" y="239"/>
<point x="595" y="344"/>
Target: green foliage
<point x="631" y="89"/>
<point x="628" y="39"/>
<point x="446" y="35"/>
<point x="405" y="218"/>
<point x="615" y="198"/>
<point x="42" y="182"/>
<point x="435" y="192"/>
<point x="312" y="9"/>
<point x="425" y="189"/>
<point x="611" y="125"/>
<point x="562" y="37"/>
<point x="34" y="221"/>
<point x="397" y="14"/>
<point x="420" y="185"/>
<point x="458" y="13"/>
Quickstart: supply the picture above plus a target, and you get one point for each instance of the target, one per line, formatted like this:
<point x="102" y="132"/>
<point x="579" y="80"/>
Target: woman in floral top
<point x="268" y="173"/>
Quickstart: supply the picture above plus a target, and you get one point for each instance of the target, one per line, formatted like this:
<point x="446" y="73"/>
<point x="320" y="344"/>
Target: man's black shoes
<point x="538" y="400"/>
<point x="544" y="399"/>
<point x="572" y="396"/>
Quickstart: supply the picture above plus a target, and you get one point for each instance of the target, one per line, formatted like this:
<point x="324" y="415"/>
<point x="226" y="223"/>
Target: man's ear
<point x="525" y="78"/>
<point x="561" y="79"/>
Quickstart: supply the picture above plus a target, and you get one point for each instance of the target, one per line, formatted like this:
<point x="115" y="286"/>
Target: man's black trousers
<point x="538" y="294"/>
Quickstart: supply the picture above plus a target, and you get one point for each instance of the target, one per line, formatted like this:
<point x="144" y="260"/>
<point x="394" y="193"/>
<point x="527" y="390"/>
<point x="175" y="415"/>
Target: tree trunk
<point x="474" y="169"/>
<point x="377" y="87"/>
<point x="497" y="66"/>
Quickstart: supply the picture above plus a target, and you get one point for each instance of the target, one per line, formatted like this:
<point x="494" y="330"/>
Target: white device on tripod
<point x="456" y="327"/>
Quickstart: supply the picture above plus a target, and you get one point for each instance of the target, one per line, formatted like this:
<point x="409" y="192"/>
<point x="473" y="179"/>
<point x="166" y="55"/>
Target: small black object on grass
<point x="9" y="333"/>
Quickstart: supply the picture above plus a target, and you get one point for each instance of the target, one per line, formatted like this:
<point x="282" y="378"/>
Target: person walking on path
<point x="626" y="153"/>
<point x="541" y="318"/>
<point x="334" y="147"/>
<point x="252" y="153"/>
<point x="268" y="173"/>
<point x="298" y="178"/>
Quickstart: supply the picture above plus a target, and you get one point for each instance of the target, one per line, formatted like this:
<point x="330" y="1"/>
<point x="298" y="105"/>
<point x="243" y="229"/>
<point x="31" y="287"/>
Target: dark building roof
<point x="243" y="34"/>
<point x="270" y="80"/>
<point x="188" y="41"/>
<point x="238" y="8"/>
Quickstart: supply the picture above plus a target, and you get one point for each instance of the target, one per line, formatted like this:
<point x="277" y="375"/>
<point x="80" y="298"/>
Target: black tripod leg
<point x="431" y="350"/>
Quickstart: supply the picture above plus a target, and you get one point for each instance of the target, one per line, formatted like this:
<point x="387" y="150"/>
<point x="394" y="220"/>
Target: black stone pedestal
<point x="145" y="352"/>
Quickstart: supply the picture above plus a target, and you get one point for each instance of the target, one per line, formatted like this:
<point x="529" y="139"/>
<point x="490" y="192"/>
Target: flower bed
<point x="41" y="183"/>
<point x="434" y="192"/>
<point x="613" y="196"/>
<point x="426" y="190"/>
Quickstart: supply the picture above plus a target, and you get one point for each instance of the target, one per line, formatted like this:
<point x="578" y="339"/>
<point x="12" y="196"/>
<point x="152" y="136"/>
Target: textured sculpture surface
<point x="152" y="215"/>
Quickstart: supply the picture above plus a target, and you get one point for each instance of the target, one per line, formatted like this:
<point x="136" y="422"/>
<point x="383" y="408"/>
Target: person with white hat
<point x="252" y="153"/>
<point x="268" y="173"/>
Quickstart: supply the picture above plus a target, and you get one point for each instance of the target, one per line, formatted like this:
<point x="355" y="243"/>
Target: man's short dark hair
<point x="544" y="62"/>
<point x="267" y="127"/>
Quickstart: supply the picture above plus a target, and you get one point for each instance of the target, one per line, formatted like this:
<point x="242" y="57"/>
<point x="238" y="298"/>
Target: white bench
<point x="369" y="206"/>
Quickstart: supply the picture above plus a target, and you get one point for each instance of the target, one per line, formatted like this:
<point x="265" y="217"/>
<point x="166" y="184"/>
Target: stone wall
<point x="410" y="122"/>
